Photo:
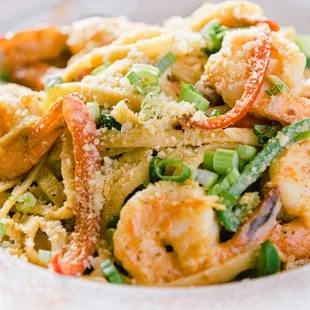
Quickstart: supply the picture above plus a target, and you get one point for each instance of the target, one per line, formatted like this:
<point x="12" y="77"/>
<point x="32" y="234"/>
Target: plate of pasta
<point x="155" y="160"/>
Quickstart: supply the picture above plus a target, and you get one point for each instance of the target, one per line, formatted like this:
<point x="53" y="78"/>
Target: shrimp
<point x="228" y="70"/>
<point x="232" y="14"/>
<point x="169" y="231"/>
<point x="20" y="154"/>
<point x="291" y="173"/>
<point x="32" y="75"/>
<point x="18" y="106"/>
<point x="31" y="46"/>
<point x="292" y="239"/>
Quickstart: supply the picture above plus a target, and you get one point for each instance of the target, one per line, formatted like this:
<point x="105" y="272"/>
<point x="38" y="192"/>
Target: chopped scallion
<point x="26" y="202"/>
<point x="101" y="68"/>
<point x="268" y="260"/>
<point x="145" y="78"/>
<point x="278" y="86"/>
<point x="204" y="177"/>
<point x="302" y="136"/>
<point x="94" y="109"/>
<point x="224" y="160"/>
<point x="246" y="152"/>
<point x="165" y="62"/>
<point x="208" y="160"/>
<point x="215" y="113"/>
<point x="52" y="81"/>
<point x="111" y="273"/>
<point x="264" y="132"/>
<point x="190" y="94"/>
<point x="213" y="33"/>
<point x="173" y="165"/>
<point x="152" y="173"/>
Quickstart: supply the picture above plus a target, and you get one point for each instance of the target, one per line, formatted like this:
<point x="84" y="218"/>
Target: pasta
<point x="172" y="155"/>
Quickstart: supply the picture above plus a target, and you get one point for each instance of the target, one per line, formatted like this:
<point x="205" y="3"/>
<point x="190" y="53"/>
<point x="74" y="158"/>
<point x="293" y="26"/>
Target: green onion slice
<point x="246" y="152"/>
<point x="101" y="68"/>
<point x="180" y="172"/>
<point x="44" y="255"/>
<point x="215" y="113"/>
<point x="108" y="121"/>
<point x="145" y="78"/>
<point x="213" y="33"/>
<point x="94" y="109"/>
<point x="224" y="160"/>
<point x="190" y="94"/>
<point x="152" y="173"/>
<point x="269" y="260"/>
<point x="278" y="86"/>
<point x="52" y="81"/>
<point x="165" y="62"/>
<point x="264" y="132"/>
<point x="111" y="273"/>
<point x="302" y="136"/>
<point x="208" y="160"/>
<point x="26" y="202"/>
<point x="3" y="229"/>
<point x="303" y="41"/>
<point x="205" y="178"/>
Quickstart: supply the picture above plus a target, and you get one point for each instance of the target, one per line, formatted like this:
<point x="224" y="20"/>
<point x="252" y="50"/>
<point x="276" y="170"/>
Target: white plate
<point x="25" y="286"/>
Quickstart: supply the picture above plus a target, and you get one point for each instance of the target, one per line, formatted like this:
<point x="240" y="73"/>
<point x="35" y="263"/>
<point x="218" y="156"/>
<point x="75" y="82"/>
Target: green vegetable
<point x="101" y="68"/>
<point x="264" y="132"/>
<point x="177" y="170"/>
<point x="213" y="33"/>
<point x="2" y="230"/>
<point x="145" y="78"/>
<point x="94" y="109"/>
<point x="303" y="41"/>
<point x="246" y="152"/>
<point x="215" y="113"/>
<point x="232" y="217"/>
<point x="224" y="160"/>
<point x="204" y="177"/>
<point x="208" y="160"/>
<point x="152" y="173"/>
<point x="259" y="164"/>
<point x="165" y="62"/>
<point x="26" y="202"/>
<point x="111" y="273"/>
<point x="226" y="182"/>
<point x="190" y="94"/>
<point x="108" y="121"/>
<point x="268" y="260"/>
<point x="278" y="86"/>
<point x="52" y="81"/>
<point x="302" y="136"/>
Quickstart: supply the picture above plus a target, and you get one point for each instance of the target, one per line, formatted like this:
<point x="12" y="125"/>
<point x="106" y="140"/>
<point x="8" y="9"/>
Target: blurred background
<point x="17" y="14"/>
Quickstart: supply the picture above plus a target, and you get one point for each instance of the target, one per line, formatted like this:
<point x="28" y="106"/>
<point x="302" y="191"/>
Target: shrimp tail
<point x="73" y="260"/>
<point x="256" y="229"/>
